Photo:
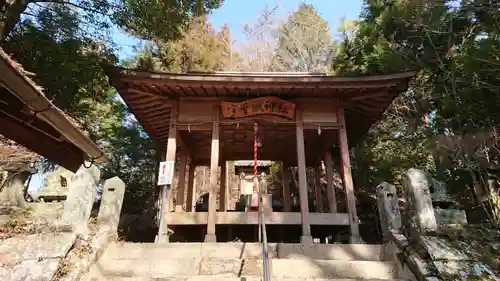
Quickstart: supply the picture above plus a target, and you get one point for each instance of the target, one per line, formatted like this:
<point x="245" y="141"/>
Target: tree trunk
<point x="10" y="14"/>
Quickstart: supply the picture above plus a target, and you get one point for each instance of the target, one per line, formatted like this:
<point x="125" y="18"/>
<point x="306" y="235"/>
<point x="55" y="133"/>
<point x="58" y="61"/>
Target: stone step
<point x="225" y="267"/>
<point x="153" y="251"/>
<point x="219" y="278"/>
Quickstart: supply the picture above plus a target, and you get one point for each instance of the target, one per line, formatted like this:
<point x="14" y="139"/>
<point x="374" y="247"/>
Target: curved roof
<point x="30" y="119"/>
<point x="147" y="94"/>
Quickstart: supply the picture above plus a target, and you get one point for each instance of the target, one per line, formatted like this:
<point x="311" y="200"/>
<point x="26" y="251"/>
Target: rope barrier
<point x="274" y="121"/>
<point x="261" y="193"/>
<point x="255" y="132"/>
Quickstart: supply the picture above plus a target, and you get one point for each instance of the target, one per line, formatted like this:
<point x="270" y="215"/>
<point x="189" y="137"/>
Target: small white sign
<point x="166" y="172"/>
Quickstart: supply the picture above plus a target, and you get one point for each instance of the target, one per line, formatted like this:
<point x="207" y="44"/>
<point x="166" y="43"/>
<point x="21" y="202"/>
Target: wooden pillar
<point x="214" y="164"/>
<point x="302" y="173"/>
<point x="175" y="180"/>
<point x="170" y="156"/>
<point x="317" y="190"/>
<point x="346" y="171"/>
<point x="232" y="185"/>
<point x="330" y="188"/>
<point x="190" y="188"/>
<point x="285" y="180"/>
<point x="158" y="204"/>
<point x="181" y="184"/>
<point x="223" y="187"/>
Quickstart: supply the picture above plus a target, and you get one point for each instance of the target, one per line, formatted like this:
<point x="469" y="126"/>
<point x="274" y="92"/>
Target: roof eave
<point x="25" y="89"/>
<point x="255" y="77"/>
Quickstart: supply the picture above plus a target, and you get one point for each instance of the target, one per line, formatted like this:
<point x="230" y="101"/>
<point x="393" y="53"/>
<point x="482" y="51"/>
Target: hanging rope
<point x="255" y="131"/>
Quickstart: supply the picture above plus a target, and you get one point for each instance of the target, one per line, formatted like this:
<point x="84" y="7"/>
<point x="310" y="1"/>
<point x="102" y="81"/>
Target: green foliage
<point x="132" y="158"/>
<point x="161" y="20"/>
<point x="65" y="43"/>
<point x="448" y="118"/>
<point x="387" y="152"/>
<point x="150" y="20"/>
<point x="200" y="49"/>
<point x="66" y="62"/>
<point x="94" y="13"/>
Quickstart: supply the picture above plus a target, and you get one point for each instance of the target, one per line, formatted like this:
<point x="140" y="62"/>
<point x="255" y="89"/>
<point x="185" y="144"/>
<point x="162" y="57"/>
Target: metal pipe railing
<point x="262" y="230"/>
<point x="261" y="188"/>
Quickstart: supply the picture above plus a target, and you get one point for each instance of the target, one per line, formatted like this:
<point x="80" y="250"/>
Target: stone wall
<point x="433" y="246"/>
<point x="56" y="184"/>
<point x="12" y="188"/>
<point x="59" y="241"/>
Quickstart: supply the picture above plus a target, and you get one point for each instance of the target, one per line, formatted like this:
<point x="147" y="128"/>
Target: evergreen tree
<point x="142" y="18"/>
<point x="304" y="42"/>
<point x="200" y="49"/>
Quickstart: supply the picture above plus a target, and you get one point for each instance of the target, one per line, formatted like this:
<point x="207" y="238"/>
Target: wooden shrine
<point x="301" y="118"/>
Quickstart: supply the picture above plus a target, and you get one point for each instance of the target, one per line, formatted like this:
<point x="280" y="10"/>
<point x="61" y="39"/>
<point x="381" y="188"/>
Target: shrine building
<point x="301" y="118"/>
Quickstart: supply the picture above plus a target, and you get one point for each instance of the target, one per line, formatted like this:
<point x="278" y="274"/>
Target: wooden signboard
<point x="258" y="106"/>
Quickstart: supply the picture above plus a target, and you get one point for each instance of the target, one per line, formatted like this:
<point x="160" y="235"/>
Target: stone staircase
<point x="242" y="261"/>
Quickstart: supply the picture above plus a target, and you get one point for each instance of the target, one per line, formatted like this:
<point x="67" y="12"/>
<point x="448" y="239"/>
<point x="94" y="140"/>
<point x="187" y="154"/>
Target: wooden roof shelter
<point x="30" y="119"/>
<point x="296" y="118"/>
<point x="149" y="97"/>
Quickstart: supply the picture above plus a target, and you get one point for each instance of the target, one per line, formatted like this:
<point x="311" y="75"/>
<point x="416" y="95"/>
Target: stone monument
<point x="421" y="211"/>
<point x="388" y="209"/>
<point x="81" y="197"/>
<point x="56" y="186"/>
<point x="430" y="204"/>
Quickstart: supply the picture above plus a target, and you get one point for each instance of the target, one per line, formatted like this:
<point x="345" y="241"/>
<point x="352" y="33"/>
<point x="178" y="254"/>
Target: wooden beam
<point x="286" y="187"/>
<point x="159" y="156"/>
<point x="142" y="100"/>
<point x="195" y="127"/>
<point x="232" y="185"/>
<point x="181" y="184"/>
<point x="324" y="126"/>
<point x="349" y="186"/>
<point x="185" y="149"/>
<point x="62" y="153"/>
<point x="144" y="93"/>
<point x="123" y="74"/>
<point x="13" y="111"/>
<point x="214" y="164"/>
<point x="362" y="96"/>
<point x="190" y="188"/>
<point x="147" y="108"/>
<point x="170" y="156"/>
<point x="302" y="173"/>
<point x="223" y="187"/>
<point x="317" y="190"/>
<point x="285" y="79"/>
<point x="252" y="218"/>
<point x="330" y="188"/>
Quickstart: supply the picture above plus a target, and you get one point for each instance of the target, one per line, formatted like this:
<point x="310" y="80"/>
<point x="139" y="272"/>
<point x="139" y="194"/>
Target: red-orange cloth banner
<point x="259" y="106"/>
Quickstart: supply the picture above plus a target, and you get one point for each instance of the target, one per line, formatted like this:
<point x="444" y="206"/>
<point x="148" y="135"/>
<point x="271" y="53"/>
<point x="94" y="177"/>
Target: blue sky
<point x="236" y="13"/>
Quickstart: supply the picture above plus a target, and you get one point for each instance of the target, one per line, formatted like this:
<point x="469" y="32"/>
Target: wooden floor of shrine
<point x="249" y="233"/>
<point x="284" y="227"/>
<point x="252" y="218"/>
